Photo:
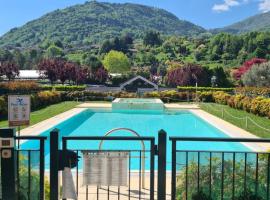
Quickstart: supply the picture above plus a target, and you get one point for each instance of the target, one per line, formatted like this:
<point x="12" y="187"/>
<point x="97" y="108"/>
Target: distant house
<point x="29" y="75"/>
<point x="138" y="84"/>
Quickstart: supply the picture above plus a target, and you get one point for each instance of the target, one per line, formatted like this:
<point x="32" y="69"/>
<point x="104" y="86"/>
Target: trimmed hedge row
<point x="30" y="87"/>
<point x="97" y="96"/>
<point x="19" y="87"/>
<point x="65" y="88"/>
<point x="253" y="91"/>
<point x="194" y="89"/>
<point x="171" y="95"/>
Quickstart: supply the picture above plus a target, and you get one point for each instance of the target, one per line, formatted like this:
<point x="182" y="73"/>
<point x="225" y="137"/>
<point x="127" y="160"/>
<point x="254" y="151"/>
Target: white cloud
<point x="264" y="5"/>
<point x="227" y="4"/>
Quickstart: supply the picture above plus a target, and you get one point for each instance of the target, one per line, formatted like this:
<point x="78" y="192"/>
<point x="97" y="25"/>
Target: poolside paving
<point x="124" y="193"/>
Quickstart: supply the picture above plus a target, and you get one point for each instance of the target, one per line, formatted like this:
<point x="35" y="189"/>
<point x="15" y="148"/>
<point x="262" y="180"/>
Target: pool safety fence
<point x="214" y="174"/>
<point x="219" y="174"/>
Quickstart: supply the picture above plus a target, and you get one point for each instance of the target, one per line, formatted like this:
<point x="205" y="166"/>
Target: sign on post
<point x="19" y="110"/>
<point x="105" y="168"/>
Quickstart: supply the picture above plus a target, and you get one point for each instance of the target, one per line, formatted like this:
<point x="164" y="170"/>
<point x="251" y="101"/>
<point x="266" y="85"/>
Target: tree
<point x="54" y="52"/>
<point x="101" y="75"/>
<point x="188" y="75"/>
<point x="258" y="75"/>
<point x="246" y="67"/>
<point x="116" y="62"/>
<point x="221" y="77"/>
<point x="9" y="69"/>
<point x="48" y="69"/>
<point x="152" y="38"/>
<point x="92" y="62"/>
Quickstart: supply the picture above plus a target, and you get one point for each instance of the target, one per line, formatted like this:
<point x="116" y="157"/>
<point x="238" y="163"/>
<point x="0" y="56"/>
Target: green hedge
<point x="193" y="89"/>
<point x="256" y="105"/>
<point x="38" y="100"/>
<point x="64" y="87"/>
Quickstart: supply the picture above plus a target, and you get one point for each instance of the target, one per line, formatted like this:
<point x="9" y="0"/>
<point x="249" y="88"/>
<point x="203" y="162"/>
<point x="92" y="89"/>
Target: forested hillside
<point x="260" y="22"/>
<point x="93" y="22"/>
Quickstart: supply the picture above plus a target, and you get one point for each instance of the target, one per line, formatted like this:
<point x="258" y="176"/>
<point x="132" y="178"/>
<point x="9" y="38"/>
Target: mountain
<point x="260" y="22"/>
<point x="93" y="22"/>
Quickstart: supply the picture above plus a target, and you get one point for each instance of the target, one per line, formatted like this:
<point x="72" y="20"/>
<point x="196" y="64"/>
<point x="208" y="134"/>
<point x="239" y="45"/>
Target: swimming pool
<point x="96" y="122"/>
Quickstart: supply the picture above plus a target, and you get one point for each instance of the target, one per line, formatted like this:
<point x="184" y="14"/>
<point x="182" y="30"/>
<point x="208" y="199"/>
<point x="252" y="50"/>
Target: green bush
<point x="193" y="89"/>
<point x="221" y="97"/>
<point x="253" y="91"/>
<point x="216" y="177"/>
<point x="3" y="106"/>
<point x="170" y="95"/>
<point x="45" y="98"/>
<point x="38" y="100"/>
<point x="96" y="96"/>
<point x="65" y="88"/>
<point x="206" y="96"/>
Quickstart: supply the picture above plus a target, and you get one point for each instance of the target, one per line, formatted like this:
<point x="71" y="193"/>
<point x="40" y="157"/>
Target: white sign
<point x="18" y="110"/>
<point x="105" y="168"/>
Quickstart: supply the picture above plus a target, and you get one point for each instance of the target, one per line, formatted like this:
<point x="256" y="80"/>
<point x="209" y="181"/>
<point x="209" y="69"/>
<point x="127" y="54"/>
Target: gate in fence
<point x="114" y="167"/>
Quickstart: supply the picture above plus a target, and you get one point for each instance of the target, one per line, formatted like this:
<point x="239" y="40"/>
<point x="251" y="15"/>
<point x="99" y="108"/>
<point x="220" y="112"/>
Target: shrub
<point x="64" y="87"/>
<point x="206" y="96"/>
<point x="201" y="196"/>
<point x="3" y="107"/>
<point x="19" y="87"/>
<point x="253" y="91"/>
<point x="193" y="89"/>
<point x="221" y="97"/>
<point x="45" y="98"/>
<point x="258" y="75"/>
<point x="189" y="74"/>
<point x="170" y="95"/>
<point x="236" y="101"/>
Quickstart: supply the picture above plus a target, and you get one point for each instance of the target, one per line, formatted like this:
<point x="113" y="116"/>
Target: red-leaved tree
<point x="100" y="75"/>
<point x="9" y="69"/>
<point x="188" y="75"/>
<point x="246" y="67"/>
<point x="48" y="68"/>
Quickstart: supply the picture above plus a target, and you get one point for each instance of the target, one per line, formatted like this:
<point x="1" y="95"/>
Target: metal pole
<point x="19" y="134"/>
<point x="162" y="141"/>
<point x="54" y="182"/>
<point x="173" y="186"/>
<point x="41" y="170"/>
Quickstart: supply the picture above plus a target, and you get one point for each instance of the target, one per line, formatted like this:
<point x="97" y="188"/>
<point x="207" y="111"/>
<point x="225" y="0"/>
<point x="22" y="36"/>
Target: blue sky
<point x="206" y="13"/>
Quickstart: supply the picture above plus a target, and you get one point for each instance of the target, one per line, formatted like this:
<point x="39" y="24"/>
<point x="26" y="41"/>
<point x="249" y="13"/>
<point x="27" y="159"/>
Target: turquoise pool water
<point x="146" y="123"/>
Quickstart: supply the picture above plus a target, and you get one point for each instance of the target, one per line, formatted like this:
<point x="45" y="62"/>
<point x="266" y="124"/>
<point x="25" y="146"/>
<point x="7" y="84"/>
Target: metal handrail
<point x="142" y="143"/>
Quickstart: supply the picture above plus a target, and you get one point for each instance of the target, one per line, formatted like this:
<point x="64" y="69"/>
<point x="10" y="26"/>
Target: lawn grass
<point x="216" y="109"/>
<point x="46" y="113"/>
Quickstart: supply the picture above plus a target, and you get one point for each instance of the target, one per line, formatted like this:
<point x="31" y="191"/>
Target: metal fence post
<point x="173" y="181"/>
<point x="54" y="147"/>
<point x="8" y="165"/>
<point x="162" y="141"/>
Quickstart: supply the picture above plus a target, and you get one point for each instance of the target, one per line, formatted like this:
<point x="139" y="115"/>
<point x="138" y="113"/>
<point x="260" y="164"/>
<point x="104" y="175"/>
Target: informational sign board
<point x="105" y="168"/>
<point x="19" y="110"/>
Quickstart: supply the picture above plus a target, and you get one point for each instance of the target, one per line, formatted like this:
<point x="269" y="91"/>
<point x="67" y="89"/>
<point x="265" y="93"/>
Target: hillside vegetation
<point x="93" y="22"/>
<point x="260" y="22"/>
